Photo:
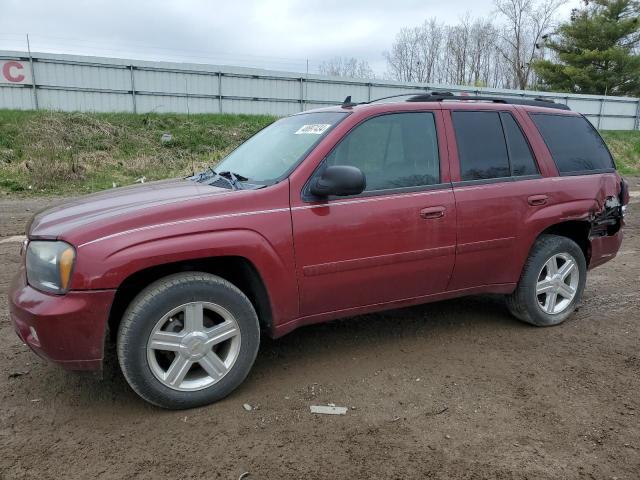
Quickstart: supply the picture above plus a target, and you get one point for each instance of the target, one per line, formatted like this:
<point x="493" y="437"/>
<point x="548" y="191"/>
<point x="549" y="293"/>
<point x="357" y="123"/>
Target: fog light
<point x="34" y="335"/>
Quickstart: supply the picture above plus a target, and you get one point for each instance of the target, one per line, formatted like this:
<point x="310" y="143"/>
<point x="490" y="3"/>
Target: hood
<point x="102" y="209"/>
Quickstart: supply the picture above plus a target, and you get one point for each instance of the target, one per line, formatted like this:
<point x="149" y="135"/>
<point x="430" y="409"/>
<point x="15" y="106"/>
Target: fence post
<point x="600" y="112"/>
<point x="301" y="94"/>
<point x="133" y="89"/>
<point x="219" y="91"/>
<point x="636" y="125"/>
<point x="33" y="76"/>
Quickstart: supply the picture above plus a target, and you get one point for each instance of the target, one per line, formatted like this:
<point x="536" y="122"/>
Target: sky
<point x="274" y="34"/>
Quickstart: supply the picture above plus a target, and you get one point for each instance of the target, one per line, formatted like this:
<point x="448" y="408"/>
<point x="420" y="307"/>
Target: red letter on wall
<point x="12" y="76"/>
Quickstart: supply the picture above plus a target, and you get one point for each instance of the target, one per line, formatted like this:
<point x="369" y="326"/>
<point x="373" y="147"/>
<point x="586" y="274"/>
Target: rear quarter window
<point x="575" y="145"/>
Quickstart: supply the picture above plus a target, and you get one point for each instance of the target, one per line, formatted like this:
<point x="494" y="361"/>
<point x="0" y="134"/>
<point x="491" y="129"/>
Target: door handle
<point x="535" y="200"/>
<point x="432" y="212"/>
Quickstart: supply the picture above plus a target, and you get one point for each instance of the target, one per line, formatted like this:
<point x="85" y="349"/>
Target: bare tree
<point x="458" y="46"/>
<point x="415" y="53"/>
<point x="477" y="52"/>
<point x="346" y="67"/>
<point x="525" y="22"/>
<point x="463" y="54"/>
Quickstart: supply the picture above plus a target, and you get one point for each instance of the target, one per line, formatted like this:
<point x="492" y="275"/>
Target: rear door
<point x="394" y="241"/>
<point x="497" y="185"/>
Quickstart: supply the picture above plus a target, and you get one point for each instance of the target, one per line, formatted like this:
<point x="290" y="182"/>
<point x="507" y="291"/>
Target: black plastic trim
<point x="308" y="197"/>
<point x="587" y="172"/>
<point x="447" y="96"/>
<point x="488" y="181"/>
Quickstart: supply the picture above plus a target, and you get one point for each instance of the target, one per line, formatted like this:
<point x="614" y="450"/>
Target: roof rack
<point x="347" y="103"/>
<point x="446" y="96"/>
<point x="441" y="96"/>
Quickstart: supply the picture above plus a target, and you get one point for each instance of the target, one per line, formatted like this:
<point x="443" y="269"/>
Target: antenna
<point x="348" y="103"/>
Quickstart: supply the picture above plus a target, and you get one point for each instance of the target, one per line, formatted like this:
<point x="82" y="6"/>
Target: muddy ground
<point x="456" y="389"/>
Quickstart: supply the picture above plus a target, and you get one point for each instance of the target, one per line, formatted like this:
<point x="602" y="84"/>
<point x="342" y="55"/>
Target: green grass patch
<point x="70" y="153"/>
<point x="625" y="147"/>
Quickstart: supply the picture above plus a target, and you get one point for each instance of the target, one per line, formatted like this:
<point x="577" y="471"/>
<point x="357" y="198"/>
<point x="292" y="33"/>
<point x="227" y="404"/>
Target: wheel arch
<point x="238" y="270"/>
<point x="576" y="230"/>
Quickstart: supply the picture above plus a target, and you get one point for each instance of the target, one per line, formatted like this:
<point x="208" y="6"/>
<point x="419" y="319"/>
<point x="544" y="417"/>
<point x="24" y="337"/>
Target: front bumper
<point x="66" y="329"/>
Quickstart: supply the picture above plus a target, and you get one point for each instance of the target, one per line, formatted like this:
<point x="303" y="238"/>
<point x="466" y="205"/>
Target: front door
<point x="396" y="240"/>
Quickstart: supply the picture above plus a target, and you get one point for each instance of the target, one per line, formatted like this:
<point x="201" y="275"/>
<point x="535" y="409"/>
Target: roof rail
<point x="446" y="96"/>
<point x="391" y="96"/>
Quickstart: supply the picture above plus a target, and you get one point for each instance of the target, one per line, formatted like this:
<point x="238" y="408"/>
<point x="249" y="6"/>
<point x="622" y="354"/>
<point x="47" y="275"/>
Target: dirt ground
<point x="456" y="389"/>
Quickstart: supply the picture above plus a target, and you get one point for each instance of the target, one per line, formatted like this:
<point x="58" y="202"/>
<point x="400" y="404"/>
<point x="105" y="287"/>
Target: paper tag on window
<point x="315" y="129"/>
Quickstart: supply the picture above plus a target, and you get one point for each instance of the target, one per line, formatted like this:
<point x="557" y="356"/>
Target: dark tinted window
<point x="393" y="151"/>
<point x="574" y="144"/>
<point x="481" y="147"/>
<point x="520" y="157"/>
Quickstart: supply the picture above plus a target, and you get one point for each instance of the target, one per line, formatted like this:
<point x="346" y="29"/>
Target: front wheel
<point x="188" y="340"/>
<point x="551" y="284"/>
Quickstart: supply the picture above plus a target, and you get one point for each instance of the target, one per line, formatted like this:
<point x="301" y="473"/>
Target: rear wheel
<point x="188" y="340"/>
<point x="551" y="284"/>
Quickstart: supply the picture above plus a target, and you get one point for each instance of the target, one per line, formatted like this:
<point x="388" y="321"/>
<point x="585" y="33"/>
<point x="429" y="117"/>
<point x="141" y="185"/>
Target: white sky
<point x="277" y="34"/>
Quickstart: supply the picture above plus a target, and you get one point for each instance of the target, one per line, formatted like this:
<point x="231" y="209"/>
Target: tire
<point x="530" y="306"/>
<point x="187" y="340"/>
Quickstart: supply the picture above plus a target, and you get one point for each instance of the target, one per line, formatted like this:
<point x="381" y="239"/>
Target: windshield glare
<point x="275" y="150"/>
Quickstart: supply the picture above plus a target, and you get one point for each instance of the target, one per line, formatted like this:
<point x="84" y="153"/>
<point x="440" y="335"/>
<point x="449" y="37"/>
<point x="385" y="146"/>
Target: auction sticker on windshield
<point x="314" y="129"/>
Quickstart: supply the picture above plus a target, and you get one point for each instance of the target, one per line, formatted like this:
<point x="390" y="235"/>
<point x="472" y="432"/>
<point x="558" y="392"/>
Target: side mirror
<point x="339" y="180"/>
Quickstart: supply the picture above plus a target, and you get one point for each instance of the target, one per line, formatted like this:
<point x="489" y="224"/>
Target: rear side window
<point x="481" y="146"/>
<point x="520" y="156"/>
<point x="491" y="145"/>
<point x="397" y="150"/>
<point x="574" y="143"/>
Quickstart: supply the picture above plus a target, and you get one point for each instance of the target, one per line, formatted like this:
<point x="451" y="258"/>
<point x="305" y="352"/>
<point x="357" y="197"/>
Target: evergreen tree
<point x="597" y="50"/>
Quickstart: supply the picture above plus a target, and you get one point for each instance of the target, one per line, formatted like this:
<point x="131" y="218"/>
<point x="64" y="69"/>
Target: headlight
<point x="50" y="265"/>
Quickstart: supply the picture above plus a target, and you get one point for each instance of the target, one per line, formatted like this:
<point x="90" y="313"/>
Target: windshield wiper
<point x="233" y="178"/>
<point x="210" y="176"/>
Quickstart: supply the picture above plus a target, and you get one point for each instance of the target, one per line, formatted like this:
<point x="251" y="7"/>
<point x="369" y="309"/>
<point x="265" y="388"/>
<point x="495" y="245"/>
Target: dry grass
<point x="54" y="152"/>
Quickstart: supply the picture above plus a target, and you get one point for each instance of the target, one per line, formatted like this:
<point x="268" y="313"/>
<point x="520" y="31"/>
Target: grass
<point x="68" y="153"/>
<point x="71" y="153"/>
<point x="625" y="147"/>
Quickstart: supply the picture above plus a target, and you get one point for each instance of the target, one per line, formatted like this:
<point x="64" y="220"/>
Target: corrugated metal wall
<point x="78" y="83"/>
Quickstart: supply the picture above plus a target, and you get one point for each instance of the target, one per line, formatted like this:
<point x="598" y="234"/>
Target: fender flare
<point x="129" y="258"/>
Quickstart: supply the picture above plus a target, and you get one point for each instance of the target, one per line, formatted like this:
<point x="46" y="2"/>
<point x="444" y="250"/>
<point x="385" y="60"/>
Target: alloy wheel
<point x="557" y="283"/>
<point x="193" y="346"/>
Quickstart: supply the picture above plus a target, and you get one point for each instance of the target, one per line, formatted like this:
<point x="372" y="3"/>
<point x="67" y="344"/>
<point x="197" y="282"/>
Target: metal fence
<point x="98" y="84"/>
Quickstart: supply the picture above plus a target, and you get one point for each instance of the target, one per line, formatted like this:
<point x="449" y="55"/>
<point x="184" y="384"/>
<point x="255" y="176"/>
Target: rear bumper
<point x="66" y="329"/>
<point x="604" y="249"/>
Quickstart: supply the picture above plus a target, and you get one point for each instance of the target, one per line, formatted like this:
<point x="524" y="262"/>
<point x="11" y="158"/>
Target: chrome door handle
<point x="535" y="200"/>
<point x="432" y="212"/>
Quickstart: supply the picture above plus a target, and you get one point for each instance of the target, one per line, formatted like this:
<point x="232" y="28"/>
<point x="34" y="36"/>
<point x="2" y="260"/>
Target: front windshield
<point x="275" y="150"/>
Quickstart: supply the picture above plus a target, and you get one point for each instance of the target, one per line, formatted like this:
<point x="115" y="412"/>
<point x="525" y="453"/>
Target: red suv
<point x="324" y="214"/>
